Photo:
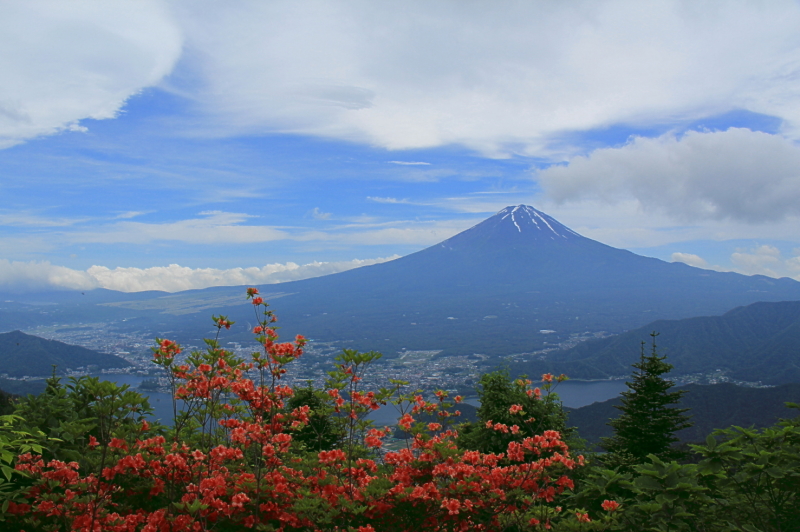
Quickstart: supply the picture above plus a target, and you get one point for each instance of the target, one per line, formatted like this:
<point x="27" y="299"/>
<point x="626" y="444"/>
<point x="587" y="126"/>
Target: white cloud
<point x="174" y="278"/>
<point x="377" y="199"/>
<point x="410" y="163"/>
<point x="26" y="219"/>
<point x="317" y="214"/>
<point x="22" y="276"/>
<point x="763" y="260"/>
<point x="690" y="259"/>
<point x="736" y="174"/>
<point x="506" y="79"/>
<point x="511" y="79"/>
<point x="63" y="62"/>
<point x="793" y="265"/>
<point x="478" y="202"/>
<point x="215" y="228"/>
<point x="18" y="276"/>
<point x="221" y="228"/>
<point x="760" y="260"/>
<point x="422" y="234"/>
<point x="130" y="214"/>
<point x="373" y="232"/>
<point x="627" y="224"/>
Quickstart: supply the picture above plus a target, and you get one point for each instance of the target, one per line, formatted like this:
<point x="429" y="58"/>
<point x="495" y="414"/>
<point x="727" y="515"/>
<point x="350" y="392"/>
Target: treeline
<point x="254" y="454"/>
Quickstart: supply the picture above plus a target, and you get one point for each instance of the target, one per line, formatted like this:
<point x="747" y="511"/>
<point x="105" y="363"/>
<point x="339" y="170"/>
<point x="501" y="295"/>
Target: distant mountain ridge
<point x="758" y="342"/>
<point x="22" y="354"/>
<point x="488" y="290"/>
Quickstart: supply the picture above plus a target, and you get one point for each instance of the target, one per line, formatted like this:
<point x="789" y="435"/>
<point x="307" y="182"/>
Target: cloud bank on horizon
<point x="27" y="276"/>
<point x="146" y="133"/>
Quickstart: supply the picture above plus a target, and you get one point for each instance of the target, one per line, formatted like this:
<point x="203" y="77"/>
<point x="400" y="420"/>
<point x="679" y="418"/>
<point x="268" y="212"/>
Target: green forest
<point x="248" y="453"/>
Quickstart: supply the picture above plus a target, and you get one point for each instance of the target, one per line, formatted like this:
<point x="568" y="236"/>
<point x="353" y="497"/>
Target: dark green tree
<point x="541" y="411"/>
<point x="322" y="432"/>
<point x="745" y="479"/>
<point x="649" y="420"/>
<point x="68" y="415"/>
<point x="756" y="474"/>
<point x="6" y="403"/>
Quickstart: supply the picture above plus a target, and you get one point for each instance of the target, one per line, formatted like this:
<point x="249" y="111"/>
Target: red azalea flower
<point x="610" y="506"/>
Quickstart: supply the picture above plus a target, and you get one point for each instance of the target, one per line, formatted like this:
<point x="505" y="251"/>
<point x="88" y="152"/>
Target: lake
<point x="573" y="394"/>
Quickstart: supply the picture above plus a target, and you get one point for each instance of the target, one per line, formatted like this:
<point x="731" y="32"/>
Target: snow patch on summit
<point x="528" y="216"/>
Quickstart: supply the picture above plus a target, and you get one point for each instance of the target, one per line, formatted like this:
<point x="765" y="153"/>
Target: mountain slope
<point x="490" y="289"/>
<point x="758" y="342"/>
<point x="22" y="354"/>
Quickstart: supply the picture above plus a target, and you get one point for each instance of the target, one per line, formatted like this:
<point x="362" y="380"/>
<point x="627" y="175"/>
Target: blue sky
<point x="175" y="145"/>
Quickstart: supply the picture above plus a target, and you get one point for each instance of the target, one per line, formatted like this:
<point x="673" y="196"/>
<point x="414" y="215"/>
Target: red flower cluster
<point x="241" y="468"/>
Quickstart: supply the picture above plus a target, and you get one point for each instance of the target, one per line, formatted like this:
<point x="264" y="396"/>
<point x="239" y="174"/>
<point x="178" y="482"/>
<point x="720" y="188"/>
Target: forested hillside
<point x="758" y="342"/>
<point x="22" y="354"/>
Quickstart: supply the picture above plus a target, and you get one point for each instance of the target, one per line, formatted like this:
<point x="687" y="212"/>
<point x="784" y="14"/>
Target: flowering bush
<point x="231" y="462"/>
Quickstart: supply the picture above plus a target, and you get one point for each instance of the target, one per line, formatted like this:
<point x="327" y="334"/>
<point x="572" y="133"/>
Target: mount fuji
<point x="517" y="282"/>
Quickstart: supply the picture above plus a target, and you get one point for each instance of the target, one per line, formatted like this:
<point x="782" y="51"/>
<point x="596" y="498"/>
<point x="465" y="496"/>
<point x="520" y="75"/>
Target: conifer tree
<point x="649" y="421"/>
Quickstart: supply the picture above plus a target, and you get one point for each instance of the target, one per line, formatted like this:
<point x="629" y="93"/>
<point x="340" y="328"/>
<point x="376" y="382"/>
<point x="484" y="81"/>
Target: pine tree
<point x="648" y="422"/>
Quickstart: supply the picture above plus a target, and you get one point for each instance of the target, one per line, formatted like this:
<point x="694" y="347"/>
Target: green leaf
<point x="775" y="472"/>
<point x="647" y="483"/>
<point x="7" y="472"/>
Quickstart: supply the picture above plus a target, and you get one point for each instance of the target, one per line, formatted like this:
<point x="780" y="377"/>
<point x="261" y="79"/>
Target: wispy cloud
<point x="690" y="259"/>
<point x="387" y="200"/>
<point x="473" y="203"/>
<point x="216" y="227"/>
<point x="130" y="214"/>
<point x="231" y="229"/>
<point x="410" y="163"/>
<point x="512" y="191"/>
<point x="424" y="234"/>
<point x="317" y="214"/>
<point x="23" y="219"/>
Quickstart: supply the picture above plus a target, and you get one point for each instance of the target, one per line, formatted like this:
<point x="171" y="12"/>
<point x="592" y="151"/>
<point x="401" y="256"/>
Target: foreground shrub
<point x="231" y="460"/>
